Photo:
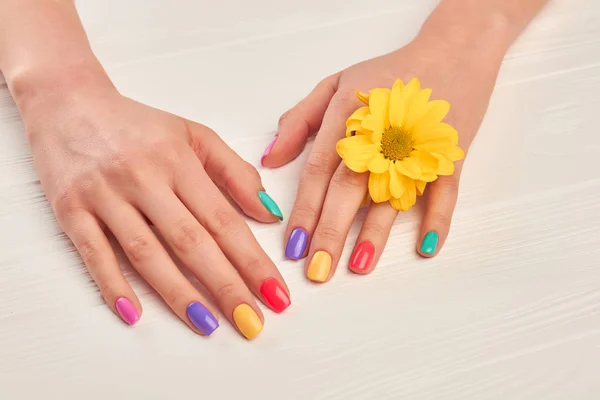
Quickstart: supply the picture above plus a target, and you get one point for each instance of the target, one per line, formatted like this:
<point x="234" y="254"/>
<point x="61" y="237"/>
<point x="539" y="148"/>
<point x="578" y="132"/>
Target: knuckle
<point x="439" y="218"/>
<point x="304" y="212"/>
<point x="223" y="222"/>
<point x="252" y="266"/>
<point x="89" y="252"/>
<point x="319" y="164"/>
<point x="448" y="186"/>
<point x="187" y="238"/>
<point x="284" y="117"/>
<point x="226" y="290"/>
<point x="327" y="232"/>
<point x="251" y="171"/>
<point x="344" y="98"/>
<point x="173" y="296"/>
<point x="346" y="178"/>
<point x="66" y="202"/>
<point x="373" y="230"/>
<point x="139" y="248"/>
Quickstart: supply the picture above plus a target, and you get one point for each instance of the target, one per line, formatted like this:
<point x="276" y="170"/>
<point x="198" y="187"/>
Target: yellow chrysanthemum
<point x="399" y="137"/>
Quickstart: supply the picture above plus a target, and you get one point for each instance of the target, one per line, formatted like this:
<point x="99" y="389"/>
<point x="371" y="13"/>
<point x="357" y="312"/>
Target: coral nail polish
<point x="127" y="311"/>
<point x="296" y="244"/>
<point x="202" y="319"/>
<point x="319" y="267"/>
<point x="429" y="244"/>
<point x="268" y="149"/>
<point x="247" y="321"/>
<point x="275" y="295"/>
<point x="362" y="257"/>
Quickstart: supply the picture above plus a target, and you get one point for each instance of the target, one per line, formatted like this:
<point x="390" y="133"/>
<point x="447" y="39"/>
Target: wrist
<point x="56" y="84"/>
<point x="476" y="31"/>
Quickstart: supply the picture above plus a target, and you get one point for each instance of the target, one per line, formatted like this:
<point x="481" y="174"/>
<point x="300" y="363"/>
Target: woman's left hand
<point x="330" y="194"/>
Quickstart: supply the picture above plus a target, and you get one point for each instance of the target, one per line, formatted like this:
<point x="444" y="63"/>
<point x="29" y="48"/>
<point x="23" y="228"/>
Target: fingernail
<point x="319" y="267"/>
<point x="270" y="204"/>
<point x="247" y="321"/>
<point x="362" y="257"/>
<point x="429" y="243"/>
<point x="127" y="311"/>
<point x="268" y="149"/>
<point x="275" y="295"/>
<point x="296" y="244"/>
<point x="202" y="318"/>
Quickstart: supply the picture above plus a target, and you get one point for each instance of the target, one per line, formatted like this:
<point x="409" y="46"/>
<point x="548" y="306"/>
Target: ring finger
<point x="153" y="263"/>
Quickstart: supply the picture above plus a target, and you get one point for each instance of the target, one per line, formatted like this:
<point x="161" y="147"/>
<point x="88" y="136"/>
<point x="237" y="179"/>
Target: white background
<point x="509" y="310"/>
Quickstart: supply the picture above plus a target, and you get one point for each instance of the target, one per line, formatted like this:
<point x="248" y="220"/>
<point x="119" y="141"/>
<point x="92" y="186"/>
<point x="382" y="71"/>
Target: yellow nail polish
<point x="247" y="321"/>
<point x="319" y="267"/>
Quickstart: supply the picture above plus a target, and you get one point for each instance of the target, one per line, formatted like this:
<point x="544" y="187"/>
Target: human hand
<point x="329" y="193"/>
<point x="106" y="161"/>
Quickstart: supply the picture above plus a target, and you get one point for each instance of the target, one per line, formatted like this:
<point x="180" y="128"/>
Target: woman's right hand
<point x="106" y="161"/>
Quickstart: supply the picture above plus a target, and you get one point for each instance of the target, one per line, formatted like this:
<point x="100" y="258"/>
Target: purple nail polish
<point x="296" y="244"/>
<point x="202" y="318"/>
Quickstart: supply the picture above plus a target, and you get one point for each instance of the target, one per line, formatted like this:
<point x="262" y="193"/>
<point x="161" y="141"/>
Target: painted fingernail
<point x="202" y="318"/>
<point x="319" y="267"/>
<point x="127" y="311"/>
<point x="270" y="204"/>
<point x="247" y="321"/>
<point x="275" y="295"/>
<point x="430" y="242"/>
<point x="296" y="244"/>
<point x="362" y="257"/>
<point x="268" y="149"/>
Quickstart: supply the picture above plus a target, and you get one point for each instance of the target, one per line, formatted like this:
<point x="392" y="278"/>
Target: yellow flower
<point x="399" y="137"/>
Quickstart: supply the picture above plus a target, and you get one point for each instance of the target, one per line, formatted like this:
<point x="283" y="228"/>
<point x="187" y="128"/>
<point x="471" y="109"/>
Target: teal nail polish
<point x="270" y="204"/>
<point x="430" y="242"/>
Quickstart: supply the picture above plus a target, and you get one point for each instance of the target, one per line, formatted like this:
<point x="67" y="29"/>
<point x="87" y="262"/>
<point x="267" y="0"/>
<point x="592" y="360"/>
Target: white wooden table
<point x="509" y="310"/>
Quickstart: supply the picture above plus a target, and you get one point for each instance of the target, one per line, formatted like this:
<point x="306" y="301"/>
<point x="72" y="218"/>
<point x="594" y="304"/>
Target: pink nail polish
<point x="127" y="311"/>
<point x="268" y="149"/>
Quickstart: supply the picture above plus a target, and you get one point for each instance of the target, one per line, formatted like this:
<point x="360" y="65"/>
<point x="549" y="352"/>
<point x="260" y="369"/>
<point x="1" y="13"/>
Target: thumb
<point x="299" y="123"/>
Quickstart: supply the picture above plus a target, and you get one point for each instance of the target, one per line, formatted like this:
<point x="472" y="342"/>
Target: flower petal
<point x="428" y="177"/>
<point x="396" y="188"/>
<point x="434" y="146"/>
<point x="409" y="167"/>
<point x="446" y="166"/>
<point x="356" y="151"/>
<point x="417" y="108"/>
<point x="400" y="99"/>
<point x="423" y="133"/>
<point x="438" y="109"/>
<point x="420" y="187"/>
<point x="454" y="153"/>
<point x="364" y="97"/>
<point x="358" y="115"/>
<point x="408" y="198"/>
<point x="378" y="163"/>
<point x="379" y="104"/>
<point x="379" y="187"/>
<point x="426" y="161"/>
<point x="372" y="124"/>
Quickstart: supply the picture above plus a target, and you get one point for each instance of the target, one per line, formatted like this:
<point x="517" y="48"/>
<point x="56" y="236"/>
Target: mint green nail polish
<point x="430" y="242"/>
<point x="270" y="204"/>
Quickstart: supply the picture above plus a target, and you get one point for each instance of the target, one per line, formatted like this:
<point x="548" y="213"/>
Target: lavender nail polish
<point x="296" y="244"/>
<point x="202" y="318"/>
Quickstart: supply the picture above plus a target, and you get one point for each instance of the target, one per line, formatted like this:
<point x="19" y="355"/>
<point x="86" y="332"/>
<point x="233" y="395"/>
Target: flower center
<point x="396" y="144"/>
